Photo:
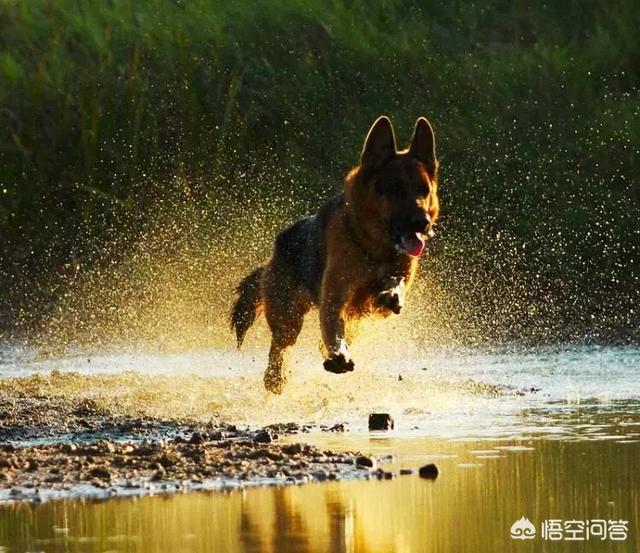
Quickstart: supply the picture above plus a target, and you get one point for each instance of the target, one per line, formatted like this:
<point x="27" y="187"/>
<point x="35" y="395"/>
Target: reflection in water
<point x="471" y="507"/>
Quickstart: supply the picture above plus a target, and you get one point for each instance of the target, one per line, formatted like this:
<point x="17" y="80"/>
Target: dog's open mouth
<point x="410" y="244"/>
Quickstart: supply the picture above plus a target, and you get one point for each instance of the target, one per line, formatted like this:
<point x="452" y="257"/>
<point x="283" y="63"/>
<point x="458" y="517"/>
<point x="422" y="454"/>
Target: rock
<point x="257" y="453"/>
<point x="428" y="471"/>
<point x="292" y="449"/>
<point x="158" y="475"/>
<point x="380" y="421"/>
<point x="118" y="461"/>
<point x="144" y="450"/>
<point x="168" y="459"/>
<point x="275" y="456"/>
<point x="364" y="461"/>
<point x="196" y="438"/>
<point x="405" y="472"/>
<point x="262" y="437"/>
<point x="101" y="472"/>
<point x="283" y="428"/>
<point x="105" y="446"/>
<point x="85" y="423"/>
<point x="337" y="428"/>
<point x="321" y="475"/>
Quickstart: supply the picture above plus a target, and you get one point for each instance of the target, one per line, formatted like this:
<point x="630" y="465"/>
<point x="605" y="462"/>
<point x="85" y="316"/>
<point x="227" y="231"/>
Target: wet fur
<point x="344" y="259"/>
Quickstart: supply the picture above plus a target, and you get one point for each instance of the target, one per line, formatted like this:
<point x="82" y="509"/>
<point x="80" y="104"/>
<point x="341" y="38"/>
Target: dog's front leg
<point x="332" y="325"/>
<point x="392" y="295"/>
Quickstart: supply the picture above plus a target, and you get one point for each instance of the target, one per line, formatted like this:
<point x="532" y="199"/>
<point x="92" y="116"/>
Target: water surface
<point x="541" y="435"/>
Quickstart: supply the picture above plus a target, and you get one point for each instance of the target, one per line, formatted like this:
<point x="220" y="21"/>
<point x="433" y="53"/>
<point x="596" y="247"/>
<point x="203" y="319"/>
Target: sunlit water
<point x="551" y="434"/>
<point x="445" y="393"/>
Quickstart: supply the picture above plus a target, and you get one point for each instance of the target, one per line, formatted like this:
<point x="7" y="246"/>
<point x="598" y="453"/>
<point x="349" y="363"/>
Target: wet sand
<point x="61" y="447"/>
<point x="67" y="434"/>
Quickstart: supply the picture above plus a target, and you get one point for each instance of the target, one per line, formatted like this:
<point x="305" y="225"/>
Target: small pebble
<point x="380" y="421"/>
<point x="321" y="475"/>
<point x="196" y="438"/>
<point x="101" y="472"/>
<point x="292" y="449"/>
<point x="364" y="461"/>
<point x="262" y="437"/>
<point x="158" y="475"/>
<point x="429" y="471"/>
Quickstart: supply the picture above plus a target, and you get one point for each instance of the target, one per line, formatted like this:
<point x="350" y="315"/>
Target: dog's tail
<point x="248" y="305"/>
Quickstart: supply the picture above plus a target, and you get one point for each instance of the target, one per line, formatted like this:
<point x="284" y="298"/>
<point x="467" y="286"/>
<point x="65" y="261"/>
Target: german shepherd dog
<point x="355" y="257"/>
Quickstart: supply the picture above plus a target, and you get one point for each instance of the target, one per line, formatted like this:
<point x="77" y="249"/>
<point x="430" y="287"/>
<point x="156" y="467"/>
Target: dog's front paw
<point x="390" y="300"/>
<point x="338" y="364"/>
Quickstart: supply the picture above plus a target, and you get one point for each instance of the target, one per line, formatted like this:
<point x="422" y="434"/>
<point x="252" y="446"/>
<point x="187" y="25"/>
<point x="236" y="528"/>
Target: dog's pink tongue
<point x="413" y="245"/>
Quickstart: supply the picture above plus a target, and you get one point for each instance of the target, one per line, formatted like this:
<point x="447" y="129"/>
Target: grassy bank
<point x="111" y="109"/>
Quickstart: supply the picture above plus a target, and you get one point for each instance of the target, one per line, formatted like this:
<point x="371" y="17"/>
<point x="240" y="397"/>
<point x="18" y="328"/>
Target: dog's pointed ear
<point x="380" y="144"/>
<point x="423" y="146"/>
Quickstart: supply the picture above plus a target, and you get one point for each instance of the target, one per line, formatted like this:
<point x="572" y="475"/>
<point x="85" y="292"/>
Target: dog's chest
<point x="363" y="300"/>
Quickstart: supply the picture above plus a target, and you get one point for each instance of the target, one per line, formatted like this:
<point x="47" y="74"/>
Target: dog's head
<point x="395" y="194"/>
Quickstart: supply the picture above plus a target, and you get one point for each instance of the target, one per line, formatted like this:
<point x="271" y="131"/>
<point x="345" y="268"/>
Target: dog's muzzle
<point x="410" y="244"/>
<point x="411" y="239"/>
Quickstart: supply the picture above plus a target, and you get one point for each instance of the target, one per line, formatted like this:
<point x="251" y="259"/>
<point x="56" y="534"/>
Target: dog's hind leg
<point x="285" y="310"/>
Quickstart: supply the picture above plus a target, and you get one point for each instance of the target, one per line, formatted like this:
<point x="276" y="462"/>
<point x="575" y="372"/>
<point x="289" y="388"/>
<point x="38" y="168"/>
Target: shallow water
<point x="446" y="393"/>
<point x="484" y="487"/>
<point x="551" y="434"/>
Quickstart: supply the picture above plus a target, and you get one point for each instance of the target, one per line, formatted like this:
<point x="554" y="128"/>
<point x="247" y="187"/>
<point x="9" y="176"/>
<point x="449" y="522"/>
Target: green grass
<point x="103" y="103"/>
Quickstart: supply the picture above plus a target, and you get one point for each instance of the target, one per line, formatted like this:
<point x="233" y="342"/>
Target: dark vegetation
<point x="113" y="110"/>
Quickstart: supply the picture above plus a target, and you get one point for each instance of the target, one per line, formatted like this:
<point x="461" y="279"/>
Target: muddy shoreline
<point x="60" y="447"/>
<point x="68" y="434"/>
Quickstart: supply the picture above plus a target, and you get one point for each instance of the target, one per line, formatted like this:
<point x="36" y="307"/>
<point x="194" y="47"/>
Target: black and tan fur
<point x="349" y="259"/>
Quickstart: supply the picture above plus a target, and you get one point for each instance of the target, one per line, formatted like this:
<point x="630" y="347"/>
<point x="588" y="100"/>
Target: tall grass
<point x="102" y="103"/>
